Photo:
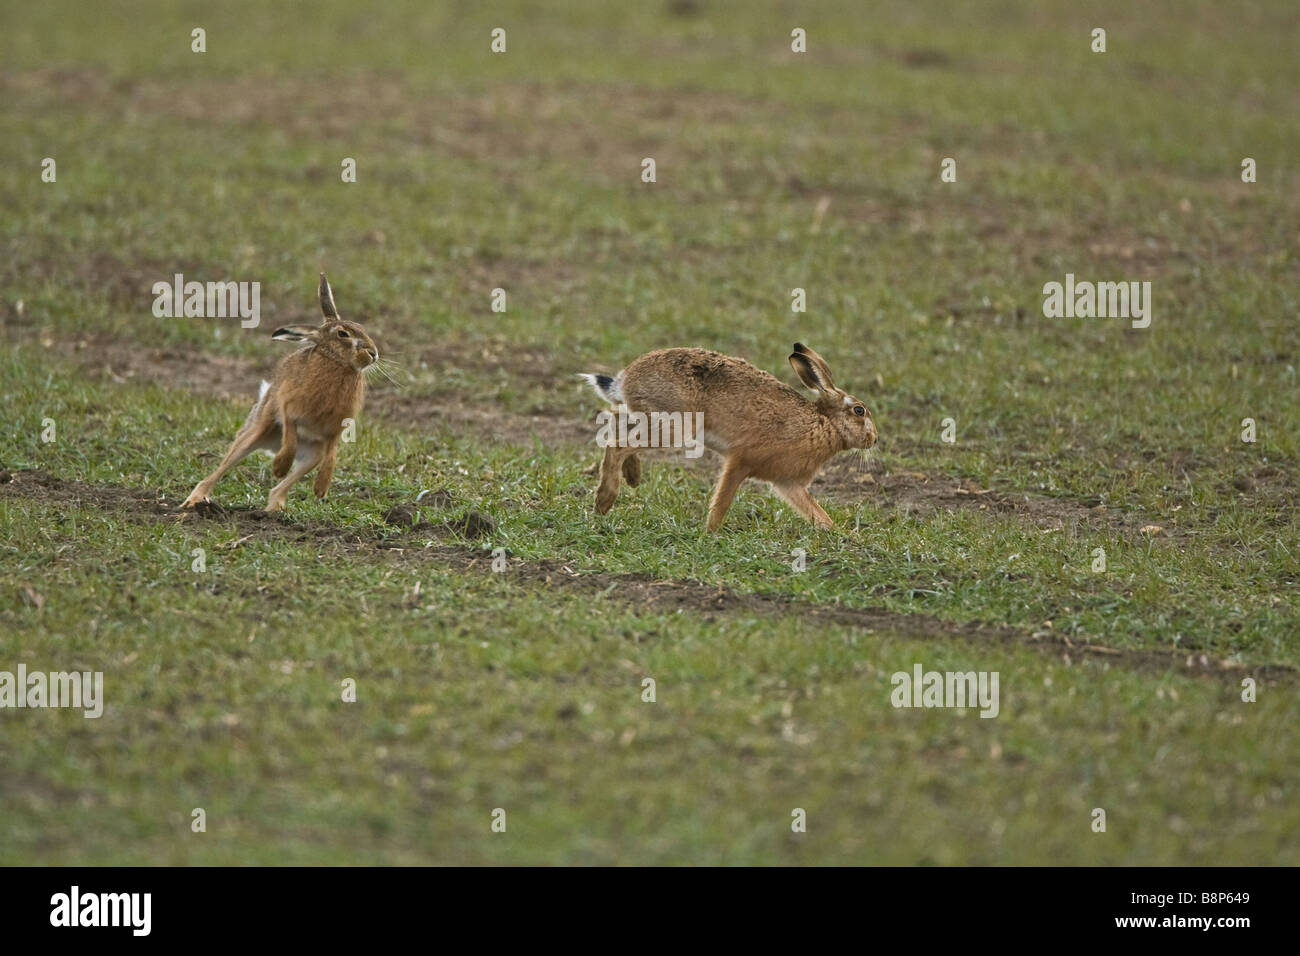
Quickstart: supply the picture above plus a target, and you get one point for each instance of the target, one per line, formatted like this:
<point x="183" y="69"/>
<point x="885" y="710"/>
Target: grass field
<point x="522" y="689"/>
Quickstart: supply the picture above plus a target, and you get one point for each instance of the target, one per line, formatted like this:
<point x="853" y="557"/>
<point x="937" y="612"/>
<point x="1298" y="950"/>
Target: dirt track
<point x="449" y="543"/>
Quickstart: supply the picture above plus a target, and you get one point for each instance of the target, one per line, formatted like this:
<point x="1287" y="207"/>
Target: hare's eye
<point x="343" y="333"/>
<point x="859" y="411"/>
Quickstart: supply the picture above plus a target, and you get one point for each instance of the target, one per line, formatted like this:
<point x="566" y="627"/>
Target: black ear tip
<point x="800" y="348"/>
<point x="278" y="332"/>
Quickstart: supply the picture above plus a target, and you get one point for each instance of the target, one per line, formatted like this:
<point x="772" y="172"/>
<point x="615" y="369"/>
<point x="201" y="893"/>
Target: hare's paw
<point x="198" y="495"/>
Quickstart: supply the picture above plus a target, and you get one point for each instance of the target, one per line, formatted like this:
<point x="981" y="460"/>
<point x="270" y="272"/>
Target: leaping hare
<point x="762" y="427"/>
<point x="300" y="413"/>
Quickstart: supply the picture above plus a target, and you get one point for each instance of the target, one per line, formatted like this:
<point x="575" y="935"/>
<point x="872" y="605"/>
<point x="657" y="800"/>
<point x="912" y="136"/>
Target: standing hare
<point x="762" y="427"/>
<point x="300" y="413"/>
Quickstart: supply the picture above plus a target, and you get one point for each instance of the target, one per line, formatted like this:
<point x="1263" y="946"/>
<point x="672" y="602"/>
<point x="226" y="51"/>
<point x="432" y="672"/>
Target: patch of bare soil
<point x="848" y="479"/>
<point x="125" y="283"/>
<point x="221" y="376"/>
<point x="406" y="539"/>
<point x="416" y="411"/>
<point x="1269" y="485"/>
<point x="583" y="126"/>
<point x="147" y="503"/>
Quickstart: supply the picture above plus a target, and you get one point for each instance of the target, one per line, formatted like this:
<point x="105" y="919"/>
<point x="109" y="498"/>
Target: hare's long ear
<point x="327" y="299"/>
<point x="293" y="333"/>
<point x="811" y="369"/>
<point x="819" y="363"/>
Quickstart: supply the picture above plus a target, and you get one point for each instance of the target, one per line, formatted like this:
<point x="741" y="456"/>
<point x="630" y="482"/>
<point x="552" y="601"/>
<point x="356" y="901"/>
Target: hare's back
<point x="697" y="380"/>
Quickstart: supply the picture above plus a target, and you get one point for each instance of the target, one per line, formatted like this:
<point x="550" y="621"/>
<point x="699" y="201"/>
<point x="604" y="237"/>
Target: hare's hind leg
<point x="607" y="490"/>
<point x="632" y="470"/>
<point x="256" y="434"/>
<point x="799" y="498"/>
<point x="288" y="448"/>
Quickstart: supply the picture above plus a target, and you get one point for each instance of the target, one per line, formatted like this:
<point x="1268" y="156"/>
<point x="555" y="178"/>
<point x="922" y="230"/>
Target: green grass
<point x="522" y="171"/>
<point x="223" y="692"/>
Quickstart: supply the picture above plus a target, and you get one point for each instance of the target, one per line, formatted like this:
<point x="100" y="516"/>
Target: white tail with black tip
<point x="610" y="388"/>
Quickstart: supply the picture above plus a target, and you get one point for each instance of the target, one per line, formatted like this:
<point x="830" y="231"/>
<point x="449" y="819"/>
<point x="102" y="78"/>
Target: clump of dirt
<point x="924" y="57"/>
<point x="438" y="499"/>
<point x="404" y="516"/>
<point x="472" y="524"/>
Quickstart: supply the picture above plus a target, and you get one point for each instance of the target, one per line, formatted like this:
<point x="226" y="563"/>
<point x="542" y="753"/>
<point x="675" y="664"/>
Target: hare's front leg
<point x="326" y="473"/>
<point x="724" y="491"/>
<point x="798" y="497"/>
<point x="309" y="456"/>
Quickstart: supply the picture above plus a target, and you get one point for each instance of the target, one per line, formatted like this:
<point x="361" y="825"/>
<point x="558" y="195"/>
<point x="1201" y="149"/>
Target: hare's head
<point x="345" y="342"/>
<point x="849" y="416"/>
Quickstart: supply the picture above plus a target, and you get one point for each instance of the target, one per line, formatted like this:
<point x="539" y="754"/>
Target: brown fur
<point x="763" y="427"/>
<point x="301" y="414"/>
